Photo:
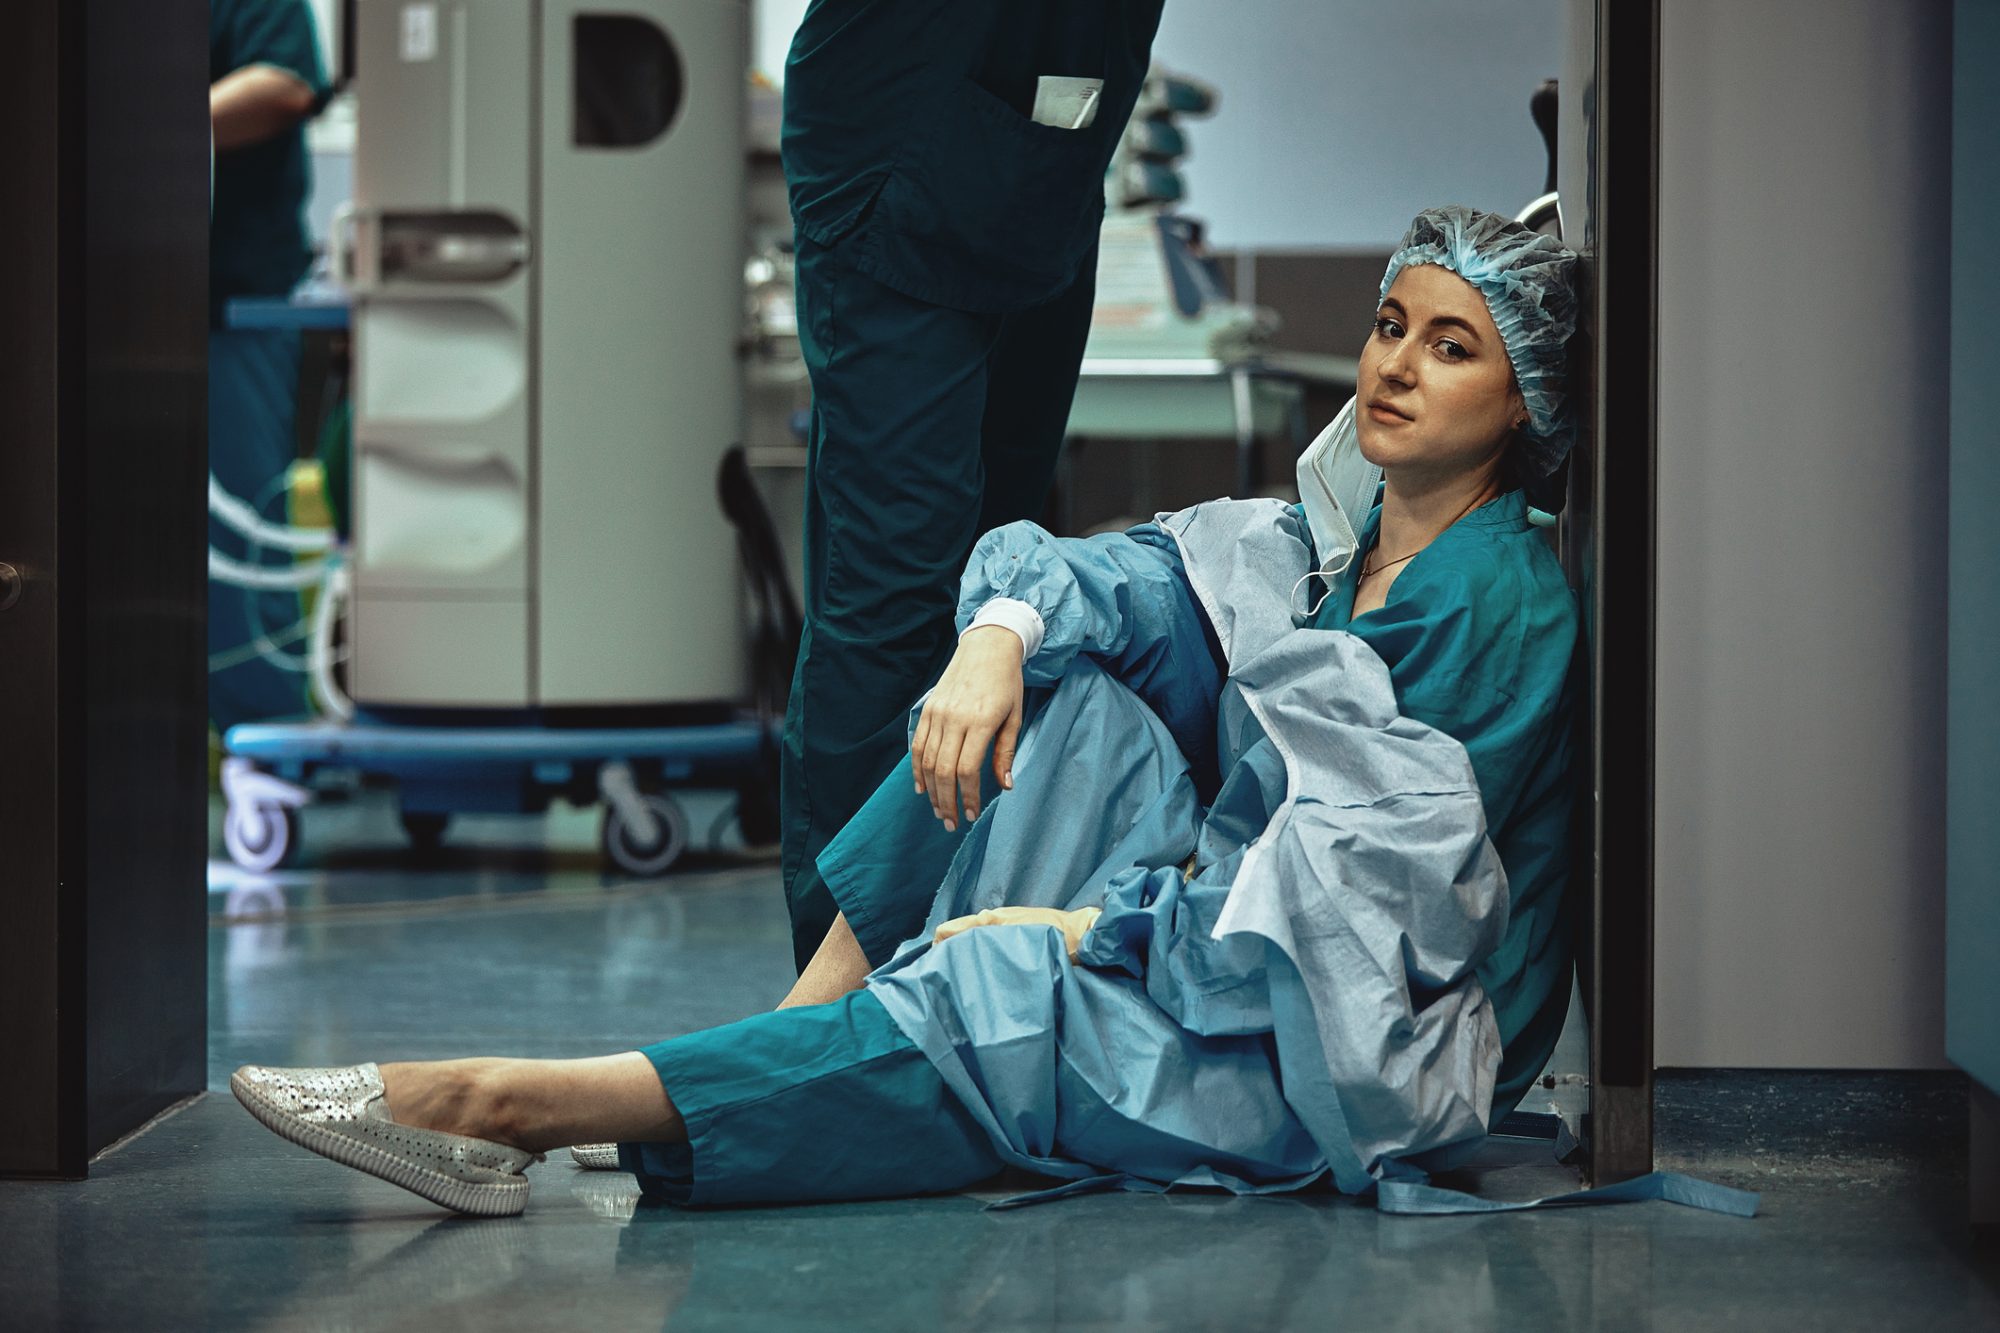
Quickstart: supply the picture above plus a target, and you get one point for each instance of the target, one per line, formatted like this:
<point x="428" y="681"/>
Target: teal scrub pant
<point x="253" y="391"/>
<point x="930" y="426"/>
<point x="832" y="1101"/>
<point x="884" y="870"/>
<point x="811" y="1104"/>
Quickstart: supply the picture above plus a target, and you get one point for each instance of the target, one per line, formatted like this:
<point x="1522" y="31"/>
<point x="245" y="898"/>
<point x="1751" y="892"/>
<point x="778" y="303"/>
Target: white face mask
<point x="1337" y="486"/>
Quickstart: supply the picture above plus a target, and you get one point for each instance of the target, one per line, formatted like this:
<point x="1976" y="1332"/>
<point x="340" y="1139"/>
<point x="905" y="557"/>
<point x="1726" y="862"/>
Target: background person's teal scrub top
<point x="258" y="246"/>
<point x="946" y="269"/>
<point x="1479" y="633"/>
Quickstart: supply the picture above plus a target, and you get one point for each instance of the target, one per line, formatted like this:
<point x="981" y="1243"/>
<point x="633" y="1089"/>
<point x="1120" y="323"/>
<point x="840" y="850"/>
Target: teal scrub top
<point x="257" y="242"/>
<point x="908" y="140"/>
<point x="1479" y="632"/>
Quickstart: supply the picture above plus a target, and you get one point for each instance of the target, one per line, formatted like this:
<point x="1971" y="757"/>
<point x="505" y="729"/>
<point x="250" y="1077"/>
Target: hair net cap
<point x="1529" y="285"/>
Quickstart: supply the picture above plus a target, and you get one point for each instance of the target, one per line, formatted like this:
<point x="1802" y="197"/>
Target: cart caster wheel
<point x="650" y="857"/>
<point x="261" y="837"/>
<point x="425" y="829"/>
<point x="757" y="816"/>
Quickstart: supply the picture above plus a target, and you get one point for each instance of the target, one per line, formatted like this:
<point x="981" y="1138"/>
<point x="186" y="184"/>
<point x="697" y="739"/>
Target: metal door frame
<point x="1611" y="212"/>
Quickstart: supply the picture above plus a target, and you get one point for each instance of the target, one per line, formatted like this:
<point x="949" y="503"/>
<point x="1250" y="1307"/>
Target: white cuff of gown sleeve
<point x="1016" y="615"/>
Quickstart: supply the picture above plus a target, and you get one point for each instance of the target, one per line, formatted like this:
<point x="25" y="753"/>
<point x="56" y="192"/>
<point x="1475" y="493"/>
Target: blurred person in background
<point x="266" y="80"/>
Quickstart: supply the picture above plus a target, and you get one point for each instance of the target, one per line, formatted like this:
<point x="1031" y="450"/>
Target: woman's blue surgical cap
<point x="1529" y="285"/>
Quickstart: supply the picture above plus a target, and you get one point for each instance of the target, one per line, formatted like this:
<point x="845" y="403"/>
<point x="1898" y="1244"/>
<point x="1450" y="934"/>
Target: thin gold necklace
<point x="1370" y="571"/>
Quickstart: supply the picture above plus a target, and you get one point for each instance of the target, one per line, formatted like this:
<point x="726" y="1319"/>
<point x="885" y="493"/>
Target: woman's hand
<point x="977" y="703"/>
<point x="1073" y="925"/>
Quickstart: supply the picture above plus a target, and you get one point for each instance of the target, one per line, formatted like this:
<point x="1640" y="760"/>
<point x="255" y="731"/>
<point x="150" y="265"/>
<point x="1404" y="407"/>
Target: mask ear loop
<point x="1311" y="607"/>
<point x="1328" y="576"/>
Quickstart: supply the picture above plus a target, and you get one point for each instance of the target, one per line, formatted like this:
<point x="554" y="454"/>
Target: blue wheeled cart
<point x="273" y="770"/>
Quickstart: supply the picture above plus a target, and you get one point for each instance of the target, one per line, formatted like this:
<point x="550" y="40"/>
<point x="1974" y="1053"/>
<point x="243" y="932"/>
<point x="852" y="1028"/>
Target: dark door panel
<point x="103" y="322"/>
<point x="40" y="990"/>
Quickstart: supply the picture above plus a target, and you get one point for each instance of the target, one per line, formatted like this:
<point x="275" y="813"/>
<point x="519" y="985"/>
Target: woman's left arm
<point x="1158" y="926"/>
<point x="1073" y="925"/>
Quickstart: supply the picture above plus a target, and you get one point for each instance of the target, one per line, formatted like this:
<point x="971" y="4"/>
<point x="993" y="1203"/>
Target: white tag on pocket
<point x="1066" y="103"/>
<point x="420" y="32"/>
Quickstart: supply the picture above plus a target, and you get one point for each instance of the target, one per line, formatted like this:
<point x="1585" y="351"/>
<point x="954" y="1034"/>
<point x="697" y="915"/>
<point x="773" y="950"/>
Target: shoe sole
<point x="595" y="1156"/>
<point x="492" y="1199"/>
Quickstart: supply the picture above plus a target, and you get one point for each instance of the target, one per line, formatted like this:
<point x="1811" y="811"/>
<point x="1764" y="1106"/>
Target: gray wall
<point x="1340" y="119"/>
<point x="1805" y="151"/>
<point x="1317" y="95"/>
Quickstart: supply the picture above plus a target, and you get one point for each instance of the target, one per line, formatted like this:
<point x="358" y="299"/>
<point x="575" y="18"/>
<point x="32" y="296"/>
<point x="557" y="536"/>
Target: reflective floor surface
<point x="511" y="941"/>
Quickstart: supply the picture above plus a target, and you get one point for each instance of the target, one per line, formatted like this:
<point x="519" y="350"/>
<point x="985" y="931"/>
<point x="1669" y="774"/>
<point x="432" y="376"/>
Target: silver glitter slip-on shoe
<point x="595" y="1156"/>
<point x="341" y="1113"/>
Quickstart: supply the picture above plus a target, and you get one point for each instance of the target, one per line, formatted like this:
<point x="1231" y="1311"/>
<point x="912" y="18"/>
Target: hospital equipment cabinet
<point x="544" y="252"/>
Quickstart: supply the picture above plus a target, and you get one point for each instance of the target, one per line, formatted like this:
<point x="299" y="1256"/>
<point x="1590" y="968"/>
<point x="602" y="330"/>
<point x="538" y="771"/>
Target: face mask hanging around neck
<point x="1337" y="486"/>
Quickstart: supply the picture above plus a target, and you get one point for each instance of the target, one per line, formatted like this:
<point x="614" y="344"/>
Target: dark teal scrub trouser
<point x="831" y="1101"/>
<point x="930" y="426"/>
<point x="810" y="1104"/>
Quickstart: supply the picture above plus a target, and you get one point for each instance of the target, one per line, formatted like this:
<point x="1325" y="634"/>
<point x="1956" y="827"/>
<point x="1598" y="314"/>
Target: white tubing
<point x="259" y="531"/>
<point x="326" y="613"/>
<point x="269" y="647"/>
<point x="276" y="578"/>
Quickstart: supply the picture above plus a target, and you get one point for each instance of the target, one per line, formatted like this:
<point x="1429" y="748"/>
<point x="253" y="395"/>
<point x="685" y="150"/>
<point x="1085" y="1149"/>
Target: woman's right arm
<point x="1122" y="598"/>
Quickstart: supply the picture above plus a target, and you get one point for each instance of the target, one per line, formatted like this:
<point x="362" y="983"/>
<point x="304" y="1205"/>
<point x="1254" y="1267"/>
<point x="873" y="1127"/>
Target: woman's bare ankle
<point x="455" y="1096"/>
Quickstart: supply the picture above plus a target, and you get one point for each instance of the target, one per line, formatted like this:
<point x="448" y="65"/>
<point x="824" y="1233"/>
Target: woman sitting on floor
<point x="1257" y="893"/>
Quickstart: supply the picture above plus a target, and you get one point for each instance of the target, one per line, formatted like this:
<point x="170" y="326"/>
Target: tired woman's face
<point x="1436" y="393"/>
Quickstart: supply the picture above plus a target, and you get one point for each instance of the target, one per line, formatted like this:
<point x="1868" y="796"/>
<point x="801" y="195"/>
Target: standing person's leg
<point x="253" y="381"/>
<point x="893" y="495"/>
<point x="1031" y="382"/>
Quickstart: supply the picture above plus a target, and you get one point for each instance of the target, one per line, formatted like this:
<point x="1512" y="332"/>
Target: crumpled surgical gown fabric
<point x="1283" y="978"/>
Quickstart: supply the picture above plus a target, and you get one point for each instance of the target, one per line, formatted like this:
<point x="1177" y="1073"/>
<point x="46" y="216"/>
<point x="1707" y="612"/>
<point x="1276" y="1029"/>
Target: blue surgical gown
<point x="1478" y="633"/>
<point x="1169" y="1051"/>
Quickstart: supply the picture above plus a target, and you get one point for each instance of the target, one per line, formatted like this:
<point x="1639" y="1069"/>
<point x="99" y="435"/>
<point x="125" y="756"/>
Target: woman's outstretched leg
<point x="828" y="1101"/>
<point x="536" y="1105"/>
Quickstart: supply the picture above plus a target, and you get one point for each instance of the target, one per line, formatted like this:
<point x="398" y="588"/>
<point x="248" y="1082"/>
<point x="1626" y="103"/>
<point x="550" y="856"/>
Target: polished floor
<point x="510" y="940"/>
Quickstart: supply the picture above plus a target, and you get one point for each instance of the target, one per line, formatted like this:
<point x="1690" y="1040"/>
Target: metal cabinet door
<point x="441" y="252"/>
<point x="642" y="311"/>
